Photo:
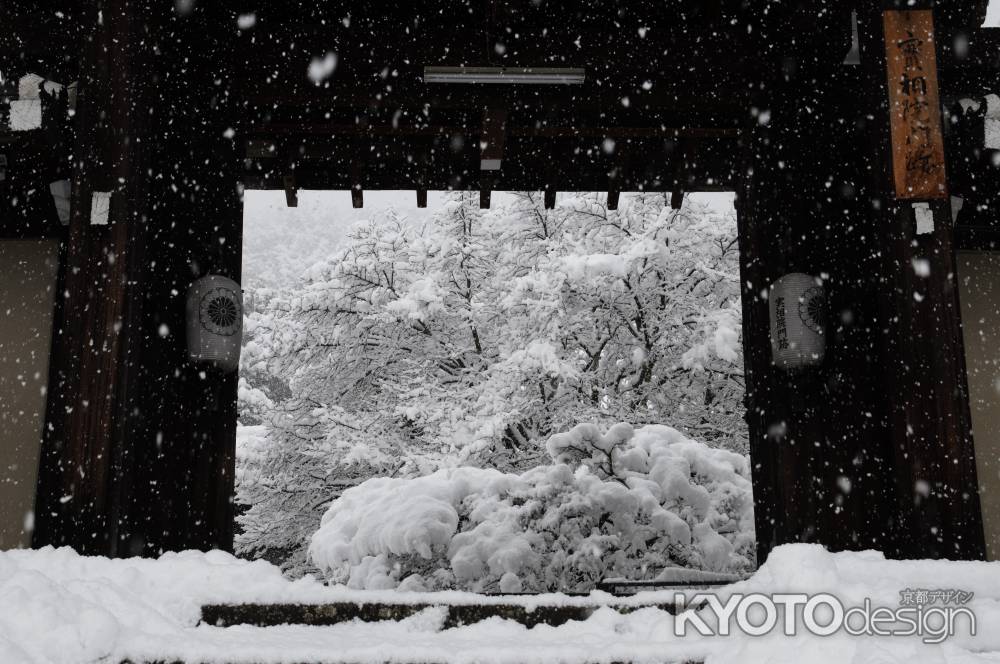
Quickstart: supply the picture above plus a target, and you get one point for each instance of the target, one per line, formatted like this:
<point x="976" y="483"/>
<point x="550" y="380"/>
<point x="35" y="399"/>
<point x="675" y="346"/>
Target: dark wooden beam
<point x="273" y="131"/>
<point x="291" y="192"/>
<point x="492" y="139"/>
<point x="421" y="198"/>
<point x="613" y="199"/>
<point x="664" y="100"/>
<point x="487" y="183"/>
<point x="332" y="179"/>
<point x="582" y="164"/>
<point x="977" y="238"/>
<point x="676" y="198"/>
<point x="359" y="153"/>
<point x="683" y="158"/>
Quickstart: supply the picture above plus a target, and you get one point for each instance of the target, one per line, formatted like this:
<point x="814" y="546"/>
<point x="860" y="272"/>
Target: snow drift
<point x="625" y="503"/>
<point x="57" y="607"/>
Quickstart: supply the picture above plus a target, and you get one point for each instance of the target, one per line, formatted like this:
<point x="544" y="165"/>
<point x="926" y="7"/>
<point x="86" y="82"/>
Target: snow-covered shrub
<point x="286" y="481"/>
<point x="625" y="503"/>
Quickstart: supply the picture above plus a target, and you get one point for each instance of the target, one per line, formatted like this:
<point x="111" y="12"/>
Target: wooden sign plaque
<point x="918" y="161"/>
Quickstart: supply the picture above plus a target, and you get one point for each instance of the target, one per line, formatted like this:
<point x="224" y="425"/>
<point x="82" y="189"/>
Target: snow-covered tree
<point x="630" y="315"/>
<point x="471" y="339"/>
<point x="310" y="454"/>
<point x="261" y="389"/>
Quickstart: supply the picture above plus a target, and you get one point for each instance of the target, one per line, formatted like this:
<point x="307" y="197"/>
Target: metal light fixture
<point x="507" y="75"/>
<point x="853" y="56"/>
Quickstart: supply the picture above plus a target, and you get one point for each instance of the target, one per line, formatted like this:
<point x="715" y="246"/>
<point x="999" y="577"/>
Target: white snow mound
<point x="57" y="607"/>
<point x="622" y="503"/>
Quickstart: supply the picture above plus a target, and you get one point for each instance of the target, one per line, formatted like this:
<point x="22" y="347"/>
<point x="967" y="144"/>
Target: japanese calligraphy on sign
<point x="918" y="161"/>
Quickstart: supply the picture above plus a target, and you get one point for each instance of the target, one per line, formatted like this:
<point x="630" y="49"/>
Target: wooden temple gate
<point x="181" y="105"/>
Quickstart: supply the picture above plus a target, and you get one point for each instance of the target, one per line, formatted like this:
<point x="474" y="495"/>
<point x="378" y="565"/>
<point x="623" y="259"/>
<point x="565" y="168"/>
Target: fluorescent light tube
<point x="509" y="75"/>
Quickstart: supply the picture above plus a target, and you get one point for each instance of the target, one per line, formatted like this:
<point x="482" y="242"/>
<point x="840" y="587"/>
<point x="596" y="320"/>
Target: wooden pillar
<point x="95" y="351"/>
<point x="921" y="339"/>
<point x="818" y="442"/>
<point x="873" y="448"/>
<point x="139" y="453"/>
<point x="183" y="432"/>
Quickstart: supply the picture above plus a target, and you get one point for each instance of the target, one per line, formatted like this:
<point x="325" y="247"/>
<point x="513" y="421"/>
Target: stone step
<point x="268" y="615"/>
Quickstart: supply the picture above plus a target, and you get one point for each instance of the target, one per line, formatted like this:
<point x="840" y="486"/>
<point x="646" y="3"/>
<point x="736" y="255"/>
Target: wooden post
<point x="818" y="436"/>
<point x="549" y="196"/>
<point x="291" y="191"/>
<point x="177" y="491"/>
<point x="613" y="196"/>
<point x="140" y="442"/>
<point x="872" y="449"/>
<point x="492" y="139"/>
<point x="684" y="156"/>
<point x="921" y="341"/>
<point x="97" y="340"/>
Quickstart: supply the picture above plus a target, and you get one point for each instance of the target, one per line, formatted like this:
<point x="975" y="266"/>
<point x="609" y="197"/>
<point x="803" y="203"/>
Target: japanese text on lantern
<point x="915" y="109"/>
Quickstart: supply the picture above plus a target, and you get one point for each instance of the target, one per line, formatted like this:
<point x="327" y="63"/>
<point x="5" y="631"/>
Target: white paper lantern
<point x="798" y="321"/>
<point x="215" y="321"/>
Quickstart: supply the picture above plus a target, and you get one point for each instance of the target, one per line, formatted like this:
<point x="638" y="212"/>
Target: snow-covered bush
<point x="286" y="481"/>
<point x="625" y="503"/>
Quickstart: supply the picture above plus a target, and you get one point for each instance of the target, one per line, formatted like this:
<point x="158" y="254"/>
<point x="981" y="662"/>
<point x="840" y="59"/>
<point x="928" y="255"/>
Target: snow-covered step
<point x="268" y="615"/>
<point x="421" y="639"/>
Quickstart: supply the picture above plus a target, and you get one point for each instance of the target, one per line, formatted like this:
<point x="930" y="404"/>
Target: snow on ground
<point x="60" y="608"/>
